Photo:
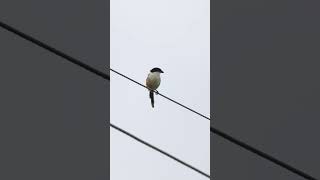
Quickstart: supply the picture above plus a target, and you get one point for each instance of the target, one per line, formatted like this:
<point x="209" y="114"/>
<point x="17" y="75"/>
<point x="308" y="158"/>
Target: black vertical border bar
<point x="108" y="89"/>
<point x="211" y="90"/>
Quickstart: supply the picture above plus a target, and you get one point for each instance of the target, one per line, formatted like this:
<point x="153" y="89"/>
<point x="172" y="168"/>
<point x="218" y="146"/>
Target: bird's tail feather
<point x="152" y="98"/>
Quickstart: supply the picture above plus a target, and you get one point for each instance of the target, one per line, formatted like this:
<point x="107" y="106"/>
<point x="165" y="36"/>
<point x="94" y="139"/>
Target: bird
<point x="153" y="82"/>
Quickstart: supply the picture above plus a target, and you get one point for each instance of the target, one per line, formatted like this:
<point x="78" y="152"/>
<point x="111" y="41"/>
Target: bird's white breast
<point x="153" y="80"/>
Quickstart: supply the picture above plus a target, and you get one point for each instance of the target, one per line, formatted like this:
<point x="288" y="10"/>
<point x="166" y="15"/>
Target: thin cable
<point x="261" y="154"/>
<point x="81" y="64"/>
<point x="55" y="51"/>
<point x="107" y="77"/>
<point x="99" y="73"/>
<point x="235" y="141"/>
<point x="159" y="150"/>
<point x="160" y="94"/>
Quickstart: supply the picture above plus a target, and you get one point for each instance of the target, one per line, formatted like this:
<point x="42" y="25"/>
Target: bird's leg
<point x="157" y="92"/>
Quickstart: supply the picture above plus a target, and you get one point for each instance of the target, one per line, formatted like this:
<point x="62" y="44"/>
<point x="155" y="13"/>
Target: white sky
<point x="175" y="36"/>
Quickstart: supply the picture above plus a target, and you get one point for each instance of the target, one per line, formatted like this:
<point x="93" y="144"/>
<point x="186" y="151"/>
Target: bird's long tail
<point x="152" y="98"/>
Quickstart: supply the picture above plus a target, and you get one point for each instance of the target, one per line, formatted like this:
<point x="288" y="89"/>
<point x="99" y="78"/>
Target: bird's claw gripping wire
<point x="157" y="92"/>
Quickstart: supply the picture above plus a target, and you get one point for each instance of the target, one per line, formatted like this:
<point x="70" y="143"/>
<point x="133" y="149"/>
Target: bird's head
<point x="156" y="70"/>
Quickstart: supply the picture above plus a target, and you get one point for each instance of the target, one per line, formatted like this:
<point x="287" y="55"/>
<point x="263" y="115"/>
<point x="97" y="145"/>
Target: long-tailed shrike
<point x="153" y="82"/>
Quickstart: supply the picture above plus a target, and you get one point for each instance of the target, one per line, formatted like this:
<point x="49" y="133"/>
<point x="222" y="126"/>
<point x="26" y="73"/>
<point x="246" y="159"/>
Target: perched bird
<point x="153" y="82"/>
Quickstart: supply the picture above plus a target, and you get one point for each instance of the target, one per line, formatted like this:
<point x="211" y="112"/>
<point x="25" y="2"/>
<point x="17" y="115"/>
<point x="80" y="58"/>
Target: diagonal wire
<point x="261" y="154"/>
<point x="161" y="95"/>
<point x="107" y="77"/>
<point x="101" y="74"/>
<point x="55" y="51"/>
<point x="238" y="142"/>
<point x="159" y="150"/>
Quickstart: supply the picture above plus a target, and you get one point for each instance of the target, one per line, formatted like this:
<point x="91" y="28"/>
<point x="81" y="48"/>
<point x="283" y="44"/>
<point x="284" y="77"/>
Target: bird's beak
<point x="161" y="71"/>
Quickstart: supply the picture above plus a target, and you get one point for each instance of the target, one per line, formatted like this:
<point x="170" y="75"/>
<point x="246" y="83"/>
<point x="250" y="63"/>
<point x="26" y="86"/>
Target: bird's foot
<point x="157" y="92"/>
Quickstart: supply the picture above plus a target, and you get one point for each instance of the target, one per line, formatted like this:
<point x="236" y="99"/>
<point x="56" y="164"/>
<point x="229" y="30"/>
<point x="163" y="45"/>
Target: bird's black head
<point x="156" y="70"/>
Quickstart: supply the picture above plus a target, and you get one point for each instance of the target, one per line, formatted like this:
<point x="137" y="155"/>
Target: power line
<point x="235" y="141"/>
<point x="107" y="77"/>
<point x="161" y="94"/>
<point x="101" y="74"/>
<point x="55" y="51"/>
<point x="261" y="154"/>
<point x="159" y="150"/>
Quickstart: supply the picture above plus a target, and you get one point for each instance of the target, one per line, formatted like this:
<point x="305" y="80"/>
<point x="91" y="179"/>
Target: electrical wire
<point x="101" y="74"/>
<point x="54" y="50"/>
<point x="107" y="77"/>
<point x="235" y="141"/>
<point x="261" y="154"/>
<point x="159" y="150"/>
<point x="160" y="94"/>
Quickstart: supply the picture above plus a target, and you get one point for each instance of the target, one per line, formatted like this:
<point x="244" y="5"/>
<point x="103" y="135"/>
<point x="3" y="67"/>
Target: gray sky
<point x="53" y="113"/>
<point x="175" y="36"/>
<point x="266" y="90"/>
<point x="266" y="86"/>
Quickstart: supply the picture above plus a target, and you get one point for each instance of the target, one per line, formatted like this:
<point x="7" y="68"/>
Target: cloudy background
<point x="175" y="36"/>
<point x="53" y="113"/>
<point x="266" y="86"/>
<point x="266" y="89"/>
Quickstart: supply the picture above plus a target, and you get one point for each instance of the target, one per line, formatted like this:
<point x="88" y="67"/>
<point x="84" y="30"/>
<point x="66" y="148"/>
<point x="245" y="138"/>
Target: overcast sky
<point x="175" y="36"/>
<point x="266" y="87"/>
<point x="266" y="90"/>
